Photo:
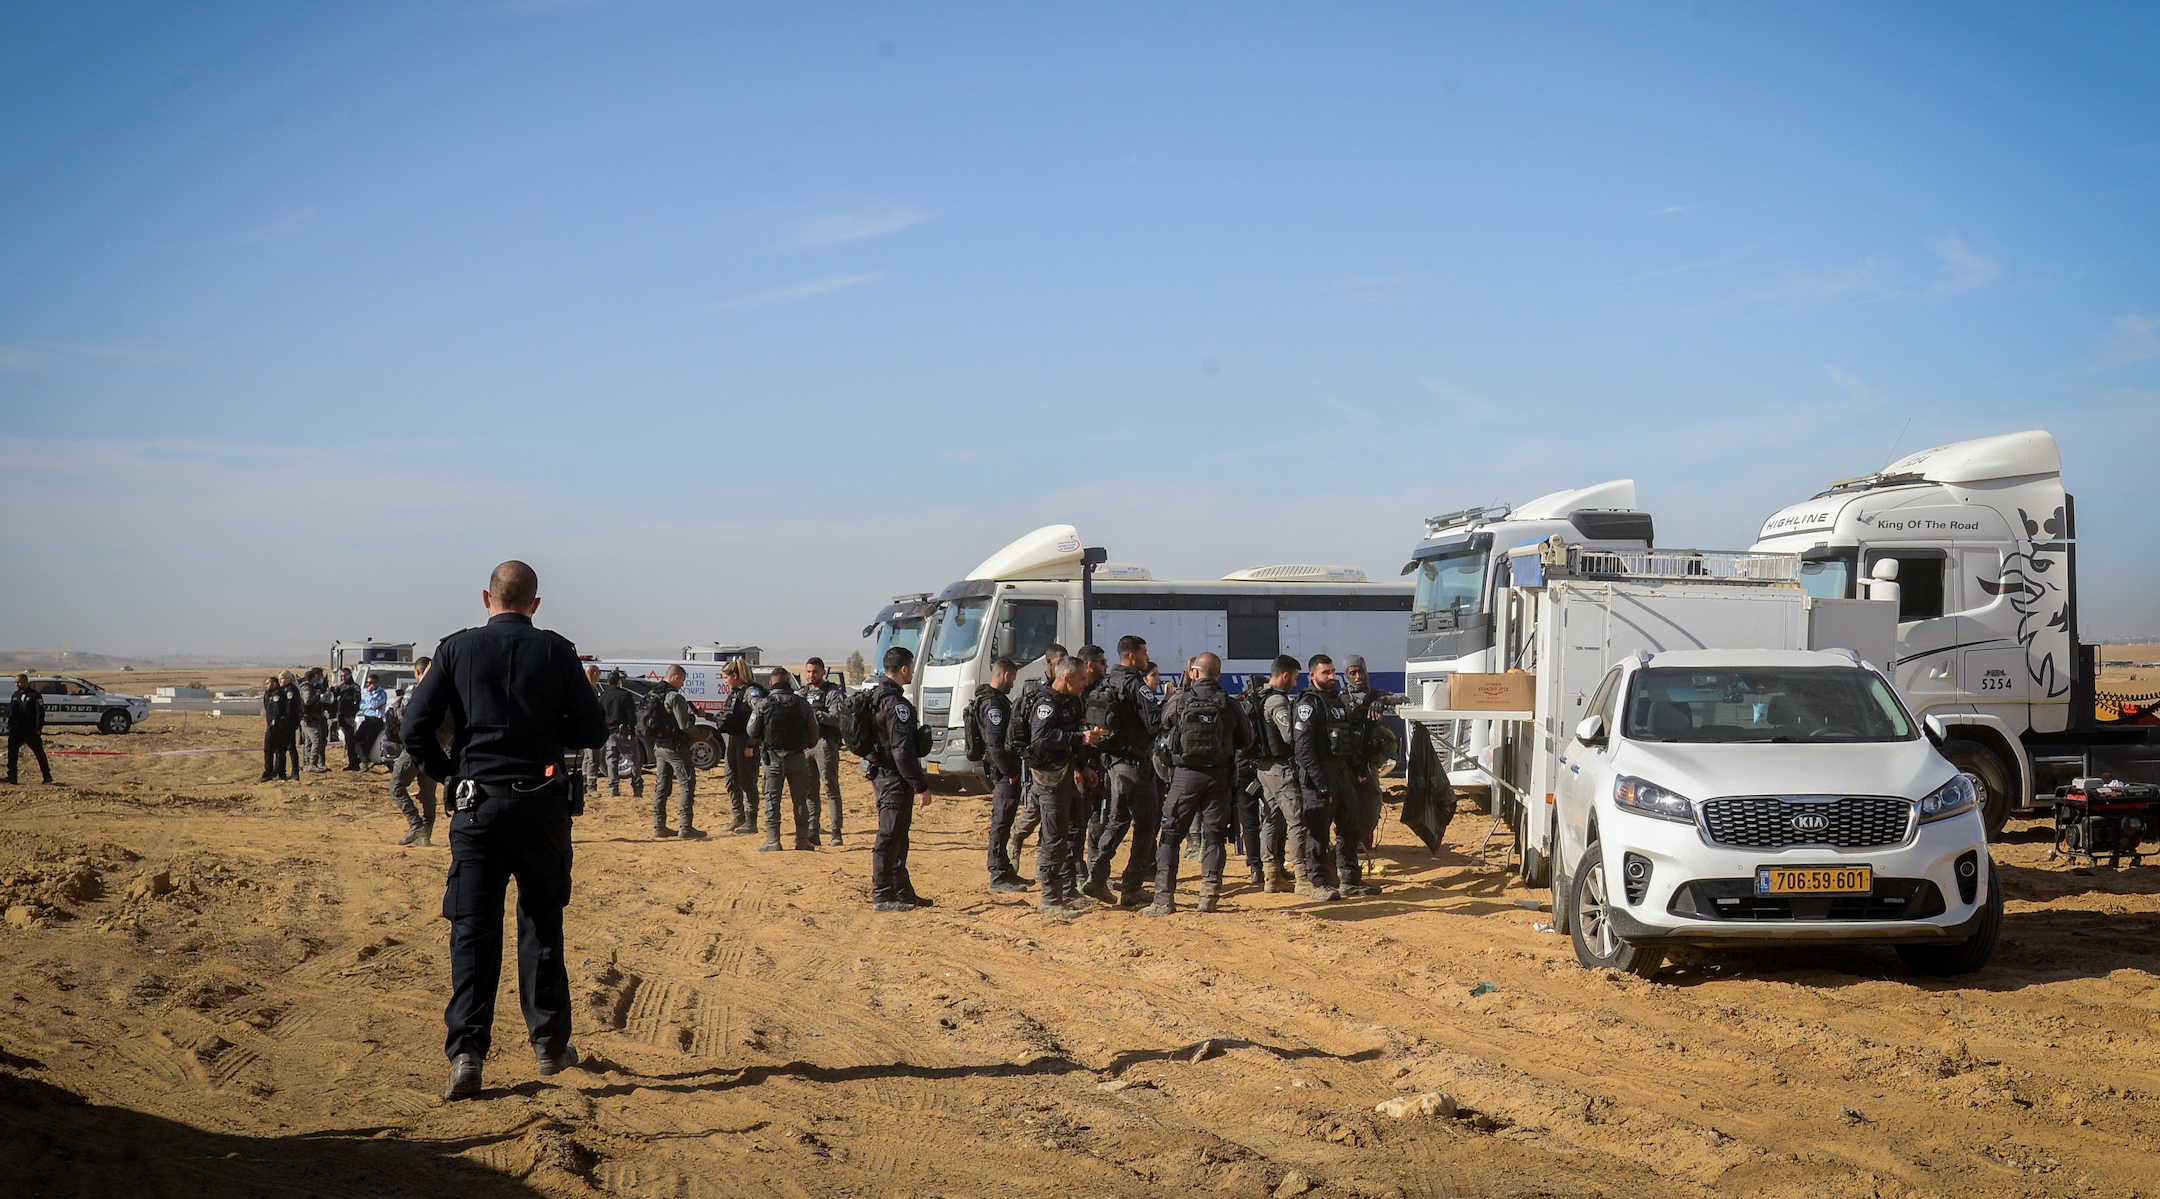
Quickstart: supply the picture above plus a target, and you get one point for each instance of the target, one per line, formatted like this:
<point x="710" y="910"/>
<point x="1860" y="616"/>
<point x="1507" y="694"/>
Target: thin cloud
<point x="801" y="291"/>
<point x="17" y="359"/>
<point x="1371" y="289"/>
<point x="1964" y="268"/>
<point x="1671" y="211"/>
<point x="838" y="229"/>
<point x="1466" y="406"/>
<point x="270" y="231"/>
<point x="1852" y="386"/>
<point x="2133" y="337"/>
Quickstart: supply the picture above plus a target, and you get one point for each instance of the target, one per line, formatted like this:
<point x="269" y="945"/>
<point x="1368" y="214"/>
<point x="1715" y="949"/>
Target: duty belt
<point x="468" y="793"/>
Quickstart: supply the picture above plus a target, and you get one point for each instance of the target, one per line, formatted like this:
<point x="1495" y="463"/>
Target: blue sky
<point x="734" y="322"/>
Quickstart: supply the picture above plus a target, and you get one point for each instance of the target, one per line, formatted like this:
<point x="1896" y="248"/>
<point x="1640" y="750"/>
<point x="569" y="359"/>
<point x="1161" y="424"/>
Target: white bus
<point x="1047" y="587"/>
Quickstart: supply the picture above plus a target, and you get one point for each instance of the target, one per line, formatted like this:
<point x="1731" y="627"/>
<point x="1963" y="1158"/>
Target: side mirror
<point x="1592" y="730"/>
<point x="1885" y="570"/>
<point x="1936" y="733"/>
<point x="1002" y="644"/>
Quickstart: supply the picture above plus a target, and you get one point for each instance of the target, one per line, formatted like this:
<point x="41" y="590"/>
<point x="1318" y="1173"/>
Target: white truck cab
<point x="1729" y="796"/>
<point x="1978" y="540"/>
<point x="1461" y="577"/>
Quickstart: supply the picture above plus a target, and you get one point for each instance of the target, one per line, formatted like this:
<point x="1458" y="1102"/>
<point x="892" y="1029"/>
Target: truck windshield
<point x="1452" y="581"/>
<point x="959" y="629"/>
<point x="1827" y="704"/>
<point x="905" y="632"/>
<point x="1828" y="577"/>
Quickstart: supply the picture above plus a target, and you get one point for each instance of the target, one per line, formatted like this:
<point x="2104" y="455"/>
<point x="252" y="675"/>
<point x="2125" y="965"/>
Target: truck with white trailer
<point x="1979" y="541"/>
<point x="1048" y="586"/>
<point x="1459" y="570"/>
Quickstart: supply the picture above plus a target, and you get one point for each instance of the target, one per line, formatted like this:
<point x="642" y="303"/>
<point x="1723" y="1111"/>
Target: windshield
<point x="959" y="628"/>
<point x="905" y="632"/>
<point x="1827" y="578"/>
<point x="1824" y="704"/>
<point x="1452" y="581"/>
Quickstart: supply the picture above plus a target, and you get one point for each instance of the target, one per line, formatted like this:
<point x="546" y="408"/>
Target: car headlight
<point x="1950" y="799"/>
<point x="1649" y="799"/>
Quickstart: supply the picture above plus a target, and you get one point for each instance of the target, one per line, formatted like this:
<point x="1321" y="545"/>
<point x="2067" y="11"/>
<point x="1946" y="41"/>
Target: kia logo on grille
<point x="1810" y="822"/>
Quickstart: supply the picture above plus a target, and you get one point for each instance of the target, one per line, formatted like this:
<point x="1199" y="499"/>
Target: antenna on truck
<point x="1892" y="455"/>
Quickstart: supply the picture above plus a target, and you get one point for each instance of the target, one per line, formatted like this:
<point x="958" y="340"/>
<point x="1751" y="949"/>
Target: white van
<point x="1727" y="797"/>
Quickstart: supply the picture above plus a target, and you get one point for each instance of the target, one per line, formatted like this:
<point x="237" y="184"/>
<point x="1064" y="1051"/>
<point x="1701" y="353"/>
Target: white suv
<point x="1725" y="797"/>
<point x="74" y="701"/>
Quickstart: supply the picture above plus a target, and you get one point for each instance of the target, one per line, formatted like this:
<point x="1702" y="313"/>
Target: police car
<point x="73" y="701"/>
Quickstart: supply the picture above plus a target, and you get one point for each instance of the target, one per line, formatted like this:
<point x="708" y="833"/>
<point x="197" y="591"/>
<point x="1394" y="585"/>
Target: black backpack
<point x="790" y="725"/>
<point x="971" y="720"/>
<point x="858" y="722"/>
<point x="1020" y="730"/>
<point x="1203" y="735"/>
<point x="654" y="722"/>
<point x="1103" y="711"/>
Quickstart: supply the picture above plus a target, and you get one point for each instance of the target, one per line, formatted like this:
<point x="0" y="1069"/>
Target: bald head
<point x="512" y="588"/>
<point x="1207" y="666"/>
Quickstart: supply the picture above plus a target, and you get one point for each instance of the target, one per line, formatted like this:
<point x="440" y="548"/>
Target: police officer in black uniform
<point x="1016" y="743"/>
<point x="896" y="776"/>
<point x="1205" y="732"/>
<point x="992" y="715"/>
<point x="1120" y="705"/>
<point x="345" y="714"/>
<point x="1328" y="750"/>
<point x="26" y="726"/>
<point x="1060" y="759"/>
<point x="516" y="702"/>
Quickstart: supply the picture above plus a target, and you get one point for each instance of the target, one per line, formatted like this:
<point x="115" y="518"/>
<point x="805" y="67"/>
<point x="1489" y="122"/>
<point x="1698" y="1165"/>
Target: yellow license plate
<point x="1814" y="880"/>
<point x="929" y="767"/>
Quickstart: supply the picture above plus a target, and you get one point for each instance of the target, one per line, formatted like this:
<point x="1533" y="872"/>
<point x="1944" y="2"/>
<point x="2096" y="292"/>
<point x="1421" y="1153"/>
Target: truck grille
<point x="1775" y="822"/>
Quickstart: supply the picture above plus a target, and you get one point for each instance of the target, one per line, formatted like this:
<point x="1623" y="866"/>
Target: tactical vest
<point x="1340" y="741"/>
<point x="1109" y="707"/>
<point x="1065" y="716"/>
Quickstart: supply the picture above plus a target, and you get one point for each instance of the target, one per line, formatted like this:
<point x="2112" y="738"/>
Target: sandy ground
<point x="272" y="1025"/>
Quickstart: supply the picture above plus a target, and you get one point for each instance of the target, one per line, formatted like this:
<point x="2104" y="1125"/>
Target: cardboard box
<point x="1491" y="692"/>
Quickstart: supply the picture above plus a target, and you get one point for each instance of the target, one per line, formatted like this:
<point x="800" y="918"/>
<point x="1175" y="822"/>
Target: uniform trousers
<point x="1024" y="824"/>
<point x="1004" y="811"/>
<point x="36" y="742"/>
<point x="404" y="773"/>
<point x="1135" y="807"/>
<point x="314" y="737"/>
<point x="1329" y="819"/>
<point x="794" y="772"/>
<point x="1058" y="802"/>
<point x="889" y="879"/>
<point x="1369" y="802"/>
<point x="671" y="763"/>
<point x="624" y="757"/>
<point x="741" y="775"/>
<point x="526" y="837"/>
<point x="825" y="756"/>
<point x="1195" y="794"/>
<point x="346" y="733"/>
<point x="1282" y="820"/>
<point x="276" y="752"/>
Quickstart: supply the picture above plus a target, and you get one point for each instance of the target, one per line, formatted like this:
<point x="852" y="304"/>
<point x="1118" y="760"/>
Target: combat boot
<point x="1301" y="885"/>
<point x="772" y="845"/>
<point x="687" y="828"/>
<point x="546" y="1063"/>
<point x="1278" y="881"/>
<point x="1099" y="891"/>
<point x="412" y="833"/>
<point x="1210" y="895"/>
<point x="660" y="829"/>
<point x="1163" y="906"/>
<point x="427" y="834"/>
<point x="1259" y="878"/>
<point x="464" y="1077"/>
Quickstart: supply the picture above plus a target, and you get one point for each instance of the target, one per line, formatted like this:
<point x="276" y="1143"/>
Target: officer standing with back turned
<point x="516" y="702"/>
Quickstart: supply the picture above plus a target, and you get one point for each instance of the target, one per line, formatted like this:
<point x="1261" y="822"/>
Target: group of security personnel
<point x="501" y="716"/>
<point x="1083" y="754"/>
<point x="781" y="733"/>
